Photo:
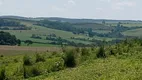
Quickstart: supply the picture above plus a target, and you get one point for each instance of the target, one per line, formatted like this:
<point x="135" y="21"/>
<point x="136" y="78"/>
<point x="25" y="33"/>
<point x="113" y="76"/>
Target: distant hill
<point x="83" y="32"/>
<point x="14" y="17"/>
<point x="90" y="20"/>
<point x="71" y="20"/>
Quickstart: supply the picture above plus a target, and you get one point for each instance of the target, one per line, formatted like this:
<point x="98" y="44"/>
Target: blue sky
<point x="95" y="9"/>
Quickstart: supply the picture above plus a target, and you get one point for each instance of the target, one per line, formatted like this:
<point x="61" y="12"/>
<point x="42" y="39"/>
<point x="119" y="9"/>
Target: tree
<point x="101" y="52"/>
<point x="8" y="39"/>
<point x="19" y="42"/>
<point x="103" y="22"/>
<point x="28" y="42"/>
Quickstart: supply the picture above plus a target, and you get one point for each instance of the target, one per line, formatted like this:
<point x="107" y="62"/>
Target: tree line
<point x="8" y="39"/>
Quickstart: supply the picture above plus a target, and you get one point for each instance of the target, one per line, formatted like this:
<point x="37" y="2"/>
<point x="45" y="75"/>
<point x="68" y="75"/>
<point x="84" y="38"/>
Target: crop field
<point x="135" y="32"/>
<point x="94" y="26"/>
<point x="126" y="24"/>
<point x="16" y="50"/>
<point x="43" y="32"/>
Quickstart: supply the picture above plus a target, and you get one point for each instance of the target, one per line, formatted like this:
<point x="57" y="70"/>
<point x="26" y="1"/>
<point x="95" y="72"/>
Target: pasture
<point x="43" y="32"/>
<point x="135" y="32"/>
<point x="21" y="50"/>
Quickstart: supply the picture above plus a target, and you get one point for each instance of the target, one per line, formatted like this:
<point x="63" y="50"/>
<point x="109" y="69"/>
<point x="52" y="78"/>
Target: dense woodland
<point x="8" y="39"/>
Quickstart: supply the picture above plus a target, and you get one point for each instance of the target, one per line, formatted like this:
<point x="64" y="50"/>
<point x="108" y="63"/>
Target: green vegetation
<point x="123" y="60"/>
<point x="73" y="32"/>
<point x="8" y="39"/>
<point x="84" y="49"/>
<point x="77" y="63"/>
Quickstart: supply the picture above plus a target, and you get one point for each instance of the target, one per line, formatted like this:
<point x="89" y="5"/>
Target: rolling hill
<point x="85" y="32"/>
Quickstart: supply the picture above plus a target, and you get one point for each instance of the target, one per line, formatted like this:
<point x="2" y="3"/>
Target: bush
<point x="27" y="60"/>
<point x="27" y="71"/>
<point x="39" y="58"/>
<point x="35" y="71"/>
<point x="112" y="52"/>
<point x="31" y="71"/>
<point x="85" y="51"/>
<point x="15" y="60"/>
<point x="101" y="53"/>
<point x="1" y="56"/>
<point x="70" y="58"/>
<point x="2" y="74"/>
<point x="58" y="65"/>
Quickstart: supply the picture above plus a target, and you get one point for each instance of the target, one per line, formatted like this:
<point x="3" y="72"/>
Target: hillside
<point x="48" y="32"/>
<point x="120" y="64"/>
<point x="57" y="50"/>
<point x="89" y="20"/>
<point x="119" y="61"/>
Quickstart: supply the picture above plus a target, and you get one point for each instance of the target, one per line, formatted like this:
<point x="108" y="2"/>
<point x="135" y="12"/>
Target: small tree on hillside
<point x="28" y="42"/>
<point x="101" y="52"/>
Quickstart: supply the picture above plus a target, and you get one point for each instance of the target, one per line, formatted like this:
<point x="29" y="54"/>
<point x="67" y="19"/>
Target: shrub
<point x="39" y="58"/>
<point x="101" y="53"/>
<point x="15" y="60"/>
<point x="31" y="71"/>
<point x="27" y="60"/>
<point x="27" y="71"/>
<point x="35" y="71"/>
<point x="70" y="59"/>
<point x="112" y="52"/>
<point x="2" y="74"/>
<point x="85" y="51"/>
<point x="58" y="65"/>
<point x="1" y="56"/>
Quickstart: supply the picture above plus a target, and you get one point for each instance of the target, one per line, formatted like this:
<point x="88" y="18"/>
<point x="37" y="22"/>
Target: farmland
<point x="67" y="49"/>
<point x="84" y="33"/>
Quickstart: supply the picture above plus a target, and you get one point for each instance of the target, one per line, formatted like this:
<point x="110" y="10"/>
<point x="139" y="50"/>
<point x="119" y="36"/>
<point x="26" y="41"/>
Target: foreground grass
<point x="117" y="62"/>
<point x="101" y="69"/>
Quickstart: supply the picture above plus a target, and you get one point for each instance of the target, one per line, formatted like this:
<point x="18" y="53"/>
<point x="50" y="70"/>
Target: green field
<point x="44" y="61"/>
<point x="126" y="24"/>
<point x="26" y="34"/>
<point x="121" y="62"/>
<point x="135" y="32"/>
<point x="98" y="28"/>
<point x="108" y="69"/>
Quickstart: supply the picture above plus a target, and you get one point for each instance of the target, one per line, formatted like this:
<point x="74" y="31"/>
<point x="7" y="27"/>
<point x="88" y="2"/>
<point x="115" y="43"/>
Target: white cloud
<point x="99" y="9"/>
<point x="121" y="5"/>
<point x="1" y="2"/>
<point x="126" y="3"/>
<point x="71" y="2"/>
<point x="62" y="8"/>
<point x="57" y="9"/>
<point x="105" y="0"/>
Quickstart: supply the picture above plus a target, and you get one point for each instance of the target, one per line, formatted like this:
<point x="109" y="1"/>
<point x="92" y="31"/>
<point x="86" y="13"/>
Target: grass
<point x="20" y="50"/>
<point x="94" y="26"/>
<point x="124" y="65"/>
<point x="129" y="69"/>
<point x="118" y="62"/>
<point x="43" y="31"/>
<point x="102" y="31"/>
<point x="127" y="25"/>
<point x="135" y="32"/>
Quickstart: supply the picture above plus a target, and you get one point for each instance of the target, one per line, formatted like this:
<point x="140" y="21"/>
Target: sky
<point x="91" y="9"/>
